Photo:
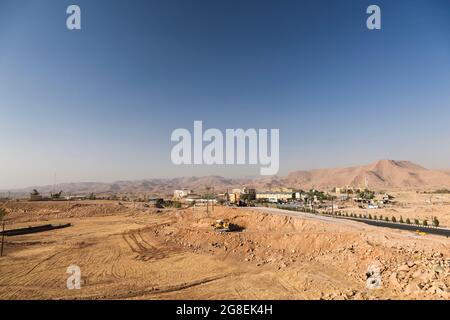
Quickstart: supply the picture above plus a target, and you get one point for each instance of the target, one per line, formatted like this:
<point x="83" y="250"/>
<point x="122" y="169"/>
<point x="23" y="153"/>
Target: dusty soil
<point x="413" y="205"/>
<point x="128" y="252"/>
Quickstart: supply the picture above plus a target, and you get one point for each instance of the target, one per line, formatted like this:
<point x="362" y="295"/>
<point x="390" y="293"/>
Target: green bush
<point x="435" y="222"/>
<point x="172" y="204"/>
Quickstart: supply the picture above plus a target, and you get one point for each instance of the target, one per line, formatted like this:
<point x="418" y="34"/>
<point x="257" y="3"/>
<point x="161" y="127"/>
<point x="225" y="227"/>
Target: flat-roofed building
<point x="279" y="196"/>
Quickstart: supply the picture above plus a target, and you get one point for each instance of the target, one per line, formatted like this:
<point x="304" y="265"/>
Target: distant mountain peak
<point x="380" y="175"/>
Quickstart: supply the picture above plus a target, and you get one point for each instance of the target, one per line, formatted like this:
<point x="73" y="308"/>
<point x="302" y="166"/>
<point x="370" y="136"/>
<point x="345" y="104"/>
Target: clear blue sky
<point x="100" y="104"/>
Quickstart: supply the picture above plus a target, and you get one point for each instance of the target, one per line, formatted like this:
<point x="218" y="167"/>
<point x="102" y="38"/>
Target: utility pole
<point x="213" y="201"/>
<point x="54" y="182"/>
<point x="228" y="198"/>
<point x="3" y="239"/>
<point x="332" y="205"/>
<point x="207" y="200"/>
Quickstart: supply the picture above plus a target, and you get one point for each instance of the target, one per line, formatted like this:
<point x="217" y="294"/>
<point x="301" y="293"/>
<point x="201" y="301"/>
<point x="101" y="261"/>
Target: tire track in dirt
<point x="42" y="262"/>
<point x="144" y="248"/>
<point x="165" y="289"/>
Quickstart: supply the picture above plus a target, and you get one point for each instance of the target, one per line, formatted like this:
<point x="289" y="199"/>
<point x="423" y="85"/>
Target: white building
<point x="183" y="193"/>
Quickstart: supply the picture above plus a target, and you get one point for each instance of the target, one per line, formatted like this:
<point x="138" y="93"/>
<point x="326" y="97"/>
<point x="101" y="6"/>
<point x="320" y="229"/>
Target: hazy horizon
<point x="3" y="190"/>
<point x="99" y="105"/>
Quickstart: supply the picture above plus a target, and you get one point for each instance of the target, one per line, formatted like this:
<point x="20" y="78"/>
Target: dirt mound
<point x="126" y="252"/>
<point x="284" y="242"/>
<point x="23" y="211"/>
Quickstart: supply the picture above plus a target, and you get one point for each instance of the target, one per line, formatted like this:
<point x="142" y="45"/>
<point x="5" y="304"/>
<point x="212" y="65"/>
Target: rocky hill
<point x="383" y="174"/>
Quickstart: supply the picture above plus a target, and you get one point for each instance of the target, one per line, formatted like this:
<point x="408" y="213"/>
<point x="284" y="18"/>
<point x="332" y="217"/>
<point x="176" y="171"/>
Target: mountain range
<point x="380" y="175"/>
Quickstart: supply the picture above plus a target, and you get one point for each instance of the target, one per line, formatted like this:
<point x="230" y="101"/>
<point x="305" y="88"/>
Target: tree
<point x="2" y="214"/>
<point x="394" y="219"/>
<point x="386" y="219"/>
<point x="401" y="219"/>
<point x="370" y="216"/>
<point x="408" y="221"/>
<point x="381" y="217"/>
<point x="425" y="223"/>
<point x="435" y="222"/>
<point x="416" y="221"/>
<point x="367" y="195"/>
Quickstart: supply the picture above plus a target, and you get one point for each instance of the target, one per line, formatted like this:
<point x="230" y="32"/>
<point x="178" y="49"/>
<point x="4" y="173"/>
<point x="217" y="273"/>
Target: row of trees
<point x="434" y="221"/>
<point x="299" y="209"/>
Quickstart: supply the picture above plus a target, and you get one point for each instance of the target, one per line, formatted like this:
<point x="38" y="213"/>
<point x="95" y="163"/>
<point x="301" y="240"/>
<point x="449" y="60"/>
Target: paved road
<point x="404" y="226"/>
<point x="385" y="224"/>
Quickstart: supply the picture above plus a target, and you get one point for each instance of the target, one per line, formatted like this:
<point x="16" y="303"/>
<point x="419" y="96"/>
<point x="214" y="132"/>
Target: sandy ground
<point x="128" y="252"/>
<point x="412" y="205"/>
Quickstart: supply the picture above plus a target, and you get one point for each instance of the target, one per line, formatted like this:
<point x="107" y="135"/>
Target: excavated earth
<point x="129" y="251"/>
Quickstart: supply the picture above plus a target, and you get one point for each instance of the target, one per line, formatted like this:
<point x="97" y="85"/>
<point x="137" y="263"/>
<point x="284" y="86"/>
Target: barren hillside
<point x="383" y="174"/>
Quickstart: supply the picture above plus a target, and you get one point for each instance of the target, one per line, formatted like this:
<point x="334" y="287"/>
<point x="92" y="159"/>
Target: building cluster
<point x="243" y="196"/>
<point x="313" y="198"/>
<point x="190" y="197"/>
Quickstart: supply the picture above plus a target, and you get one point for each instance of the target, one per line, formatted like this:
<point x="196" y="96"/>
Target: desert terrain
<point x="131" y="251"/>
<point x="413" y="205"/>
<point x="380" y="175"/>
